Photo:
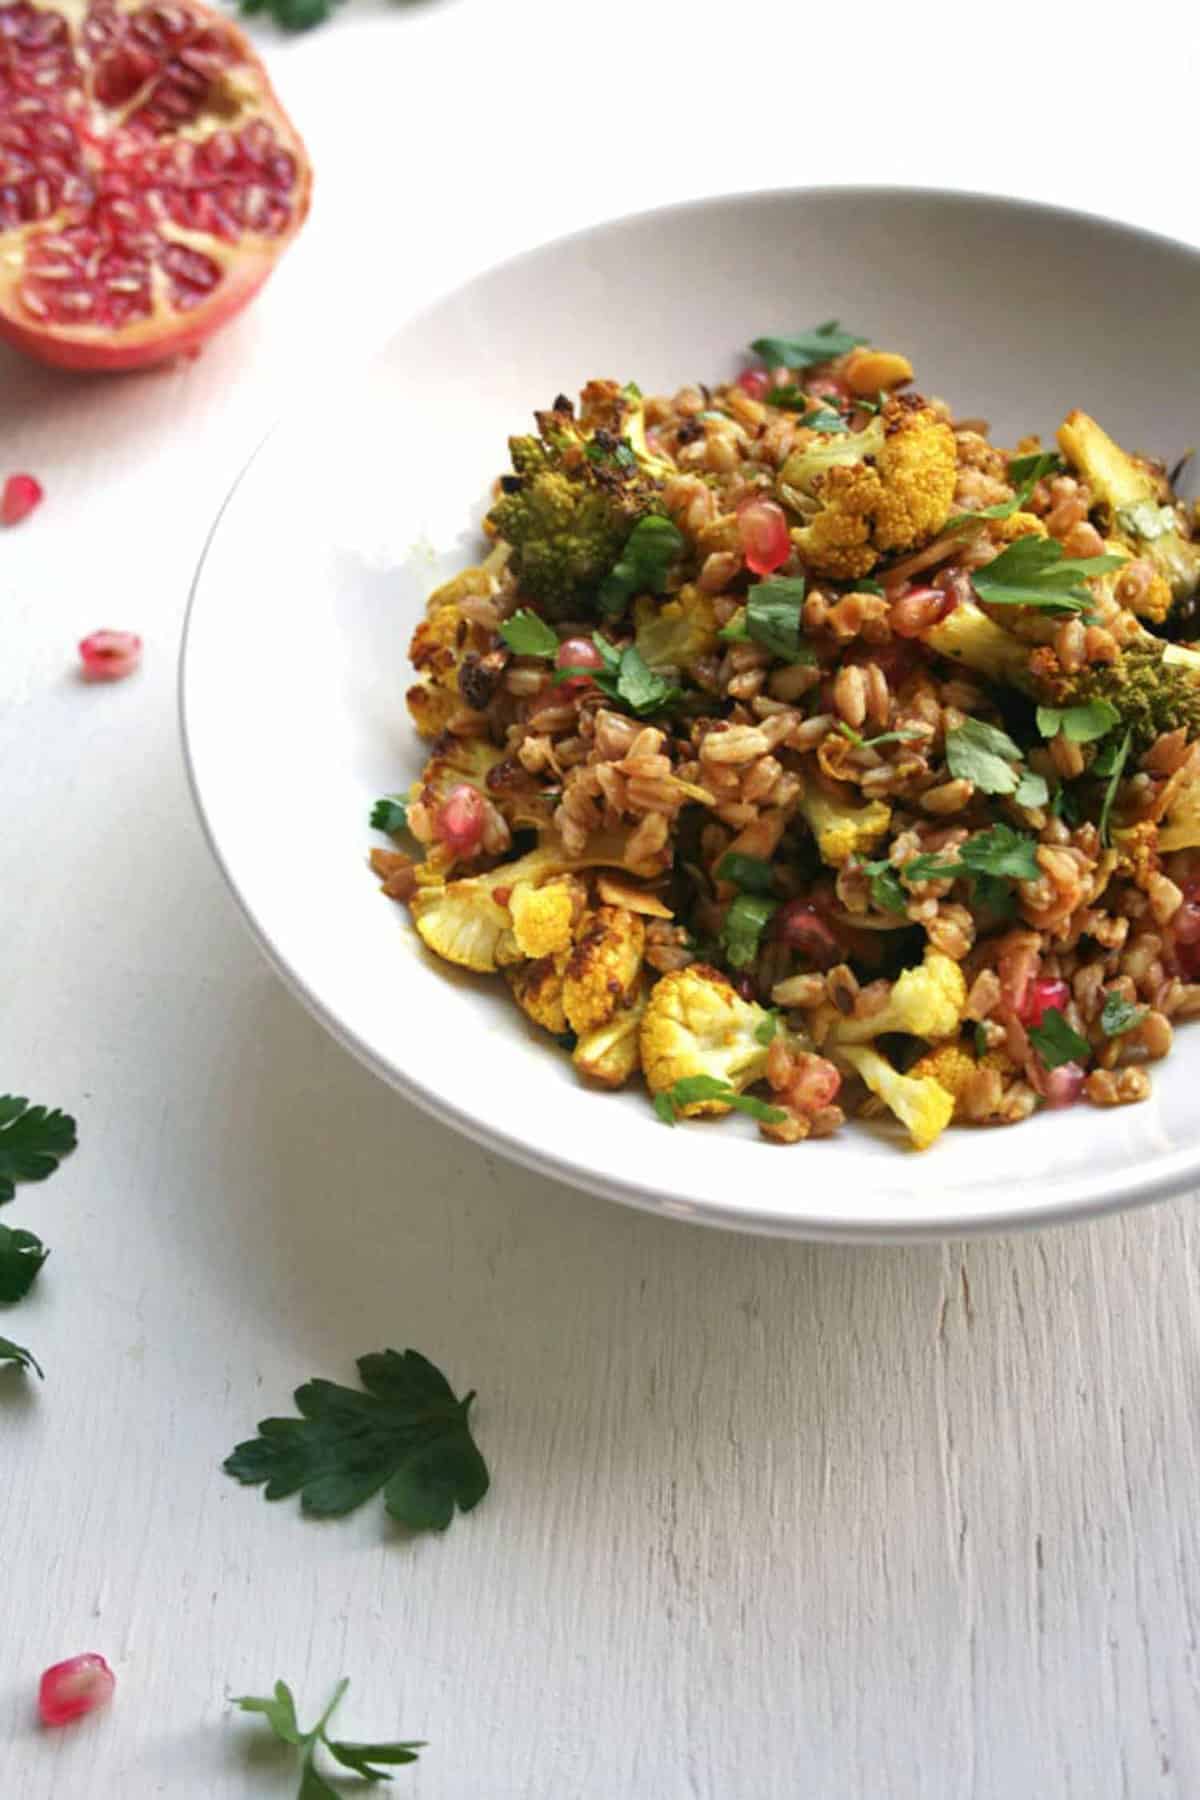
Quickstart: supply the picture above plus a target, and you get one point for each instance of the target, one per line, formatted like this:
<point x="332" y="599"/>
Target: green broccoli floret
<point x="577" y="490"/>
<point x="1134" y="505"/>
<point x="1154" y="686"/>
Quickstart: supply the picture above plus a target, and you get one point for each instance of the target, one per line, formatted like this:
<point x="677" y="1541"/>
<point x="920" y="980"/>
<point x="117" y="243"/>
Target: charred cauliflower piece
<point x="926" y="1002"/>
<point x="843" y="830"/>
<point x="920" y="1102"/>
<point x="543" y="918"/>
<point x="443" y="646"/>
<point x="696" y="1024"/>
<point x="537" y="988"/>
<point x="610" y="1054"/>
<point x="863" y="495"/>
<point x="603" y="967"/>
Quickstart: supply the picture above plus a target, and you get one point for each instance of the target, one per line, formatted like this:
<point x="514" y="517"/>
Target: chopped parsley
<point x="1033" y="467"/>
<point x="1078" y="724"/>
<point x="33" y="1141"/>
<point x="1056" y="1042"/>
<point x="823" y="418"/>
<point x="626" y="678"/>
<point x="390" y="814"/>
<point x="984" y="755"/>
<point x="21" y="1257"/>
<point x="1119" y="1014"/>
<point x="1034" y="571"/>
<point x="750" y="873"/>
<point x="529" y="635"/>
<point x="981" y="1039"/>
<point x="407" y="1434"/>
<point x="692" y="1088"/>
<point x="998" y="854"/>
<point x="642" y="566"/>
<point x="1032" y="789"/>
<point x="792" y="399"/>
<point x="765" y="1033"/>
<point x="887" y="893"/>
<point x="807" y="348"/>
<point x="23" y="1359"/>
<point x="371" y="1761"/>
<point x="772" y="617"/>
<point x="604" y="448"/>
<point x="885" y="737"/>
<point x="743" y="926"/>
<point x="1111" y="762"/>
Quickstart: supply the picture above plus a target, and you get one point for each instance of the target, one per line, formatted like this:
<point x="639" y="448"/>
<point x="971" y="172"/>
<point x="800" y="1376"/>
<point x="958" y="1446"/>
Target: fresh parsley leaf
<point x="1000" y="853"/>
<point x="765" y="1033"/>
<point x="620" y="451"/>
<point x="642" y="566"/>
<point x="692" y="1088"/>
<point x="408" y="1434"/>
<point x="371" y="1761"/>
<point x="792" y="399"/>
<point x="823" y="418"/>
<point x="641" y="689"/>
<point x="808" y="347"/>
<point x="390" y="814"/>
<point x="772" y="618"/>
<point x="21" y="1257"/>
<point x="1065" y="805"/>
<point x="981" y="1039"/>
<point x="529" y="635"/>
<point x="983" y="754"/>
<point x="1119" y="1014"/>
<point x="1031" y="789"/>
<point x="1033" y="571"/>
<point x="885" y="737"/>
<point x="1056" y="1042"/>
<point x="865" y="585"/>
<point x="1078" y="724"/>
<point x="750" y="873"/>
<point x="292" y="15"/>
<point x="1003" y="509"/>
<point x="23" y="1359"/>
<point x="1033" y="467"/>
<point x="886" y="890"/>
<point x="1119" y="757"/>
<point x="33" y="1141"/>
<point x="744" y="924"/>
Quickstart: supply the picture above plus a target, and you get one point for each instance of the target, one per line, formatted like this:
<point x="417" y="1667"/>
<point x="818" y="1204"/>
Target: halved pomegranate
<point x="149" y="178"/>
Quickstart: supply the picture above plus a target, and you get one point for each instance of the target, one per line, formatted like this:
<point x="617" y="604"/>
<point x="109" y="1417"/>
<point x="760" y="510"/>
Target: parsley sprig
<point x="691" y="1088"/>
<point x="1056" y="1042"/>
<point x="33" y="1141"/>
<point x="528" y="634"/>
<point x="772" y="617"/>
<point x="1035" y="571"/>
<point x="407" y="1434"/>
<point x="626" y="678"/>
<point x="370" y="1761"/>
<point x="642" y="566"/>
<point x="1120" y="1015"/>
<point x="807" y="348"/>
<point x="21" y="1258"/>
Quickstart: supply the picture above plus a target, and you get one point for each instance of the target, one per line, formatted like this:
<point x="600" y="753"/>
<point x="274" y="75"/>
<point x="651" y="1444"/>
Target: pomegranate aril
<point x="110" y="655"/>
<point x="763" y="530"/>
<point x="755" y="382"/>
<point x="21" y="494"/>
<point x="459" y="822"/>
<point x="577" y="653"/>
<point x="1042" y="996"/>
<point x="70" y="1689"/>
<point x="1064" y="1085"/>
<point x="798" y="925"/>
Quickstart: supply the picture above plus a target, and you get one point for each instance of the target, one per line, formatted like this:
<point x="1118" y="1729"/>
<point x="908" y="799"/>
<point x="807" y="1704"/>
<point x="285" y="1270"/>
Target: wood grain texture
<point x="767" y="1520"/>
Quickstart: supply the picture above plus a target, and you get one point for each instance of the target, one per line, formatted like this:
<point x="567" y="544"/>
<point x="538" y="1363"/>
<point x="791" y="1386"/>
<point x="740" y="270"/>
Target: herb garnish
<point x="24" y="1359"/>
<point x="1033" y="467"/>
<point x="1111" y="762"/>
<point x="292" y="15"/>
<point x="998" y="853"/>
<point x="692" y="1088"/>
<point x="1119" y="1014"/>
<point x="390" y="814"/>
<point x="750" y="873"/>
<point x="885" y="737"/>
<point x="765" y="1033"/>
<point x="887" y="892"/>
<point x="743" y="926"/>
<point x="1056" y="1042"/>
<point x="408" y="1434"/>
<point x="824" y="419"/>
<point x="371" y="1761"/>
<point x="626" y="678"/>
<point x="642" y="566"/>
<point x="1034" y="571"/>
<point x="807" y="348"/>
<point x="1078" y="724"/>
<point x="21" y="1257"/>
<point x="33" y="1141"/>
<point x="983" y="755"/>
<point x="529" y="635"/>
<point x="772" y="618"/>
<point x="791" y="398"/>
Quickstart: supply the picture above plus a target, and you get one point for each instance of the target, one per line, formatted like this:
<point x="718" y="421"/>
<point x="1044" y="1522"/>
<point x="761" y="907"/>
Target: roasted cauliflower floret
<point x="543" y="918"/>
<point x="696" y="1024"/>
<point x="673" y="634"/>
<point x="1180" y="830"/>
<point x="537" y="988"/>
<point x="920" y="1102"/>
<point x="610" y="1053"/>
<point x="863" y="495"/>
<point x="438" y="649"/>
<point x="603" y="967"/>
<point x="843" y="830"/>
<point x="926" y="1002"/>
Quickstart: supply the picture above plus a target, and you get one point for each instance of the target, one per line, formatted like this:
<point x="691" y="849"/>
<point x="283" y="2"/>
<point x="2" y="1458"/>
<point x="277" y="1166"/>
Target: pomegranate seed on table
<point x="763" y="530"/>
<point x="70" y="1689"/>
<point x="459" y="821"/>
<point x="577" y="653"/>
<point x="1064" y="1084"/>
<point x="755" y="382"/>
<point x="110" y="655"/>
<point x="22" y="493"/>
<point x="1040" y="997"/>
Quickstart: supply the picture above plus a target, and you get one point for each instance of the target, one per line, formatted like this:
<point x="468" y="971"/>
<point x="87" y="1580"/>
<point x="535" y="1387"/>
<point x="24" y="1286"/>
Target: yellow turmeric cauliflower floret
<point x="544" y="917"/>
<point x="537" y="989"/>
<point x="926" y="1002"/>
<point x="863" y="495"/>
<point x="675" y="633"/>
<point x="696" y="1024"/>
<point x="603" y="966"/>
<point x="1017" y="525"/>
<point x="920" y="1102"/>
<point x="610" y="1053"/>
<point x="436" y="652"/>
<point x="952" y="1066"/>
<point x="843" y="831"/>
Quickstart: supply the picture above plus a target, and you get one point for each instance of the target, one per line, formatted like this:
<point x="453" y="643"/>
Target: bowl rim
<point x="1093" y="1196"/>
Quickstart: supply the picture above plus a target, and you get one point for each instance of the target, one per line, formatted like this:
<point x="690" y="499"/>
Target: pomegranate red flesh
<point x="149" y="179"/>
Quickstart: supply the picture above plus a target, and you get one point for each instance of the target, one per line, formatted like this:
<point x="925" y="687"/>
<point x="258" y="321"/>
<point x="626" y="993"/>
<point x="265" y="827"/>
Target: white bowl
<point x="294" y="662"/>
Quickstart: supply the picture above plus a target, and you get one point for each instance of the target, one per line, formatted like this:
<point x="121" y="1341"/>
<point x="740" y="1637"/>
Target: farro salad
<point x="796" y="751"/>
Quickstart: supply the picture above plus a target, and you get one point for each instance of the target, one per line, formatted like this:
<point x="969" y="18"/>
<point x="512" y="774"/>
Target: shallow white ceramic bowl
<point x="294" y="664"/>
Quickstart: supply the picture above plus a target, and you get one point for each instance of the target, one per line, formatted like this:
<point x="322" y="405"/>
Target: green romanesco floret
<point x="696" y="1024"/>
<point x="1135" y="508"/>
<point x="576" y="492"/>
<point x="920" y="1102"/>
<point x="864" y="495"/>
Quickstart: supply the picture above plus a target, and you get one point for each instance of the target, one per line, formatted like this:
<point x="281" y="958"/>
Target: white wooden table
<point x="767" y="1520"/>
